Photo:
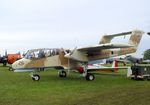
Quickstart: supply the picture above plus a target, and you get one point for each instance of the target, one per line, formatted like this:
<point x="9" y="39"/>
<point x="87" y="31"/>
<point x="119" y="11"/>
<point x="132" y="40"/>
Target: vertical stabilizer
<point x="135" y="38"/>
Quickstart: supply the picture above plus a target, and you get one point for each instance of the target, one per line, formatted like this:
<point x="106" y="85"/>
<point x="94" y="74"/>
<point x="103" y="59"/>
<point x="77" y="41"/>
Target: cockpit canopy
<point x="41" y="53"/>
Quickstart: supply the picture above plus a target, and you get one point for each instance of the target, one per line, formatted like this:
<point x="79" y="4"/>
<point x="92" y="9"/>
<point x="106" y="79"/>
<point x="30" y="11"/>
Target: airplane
<point x="102" y="68"/>
<point x="127" y="59"/>
<point x="9" y="58"/>
<point x="133" y="59"/>
<point x="3" y="59"/>
<point x="77" y="58"/>
<point x="120" y="59"/>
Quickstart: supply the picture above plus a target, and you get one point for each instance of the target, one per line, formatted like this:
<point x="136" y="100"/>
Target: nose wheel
<point x="35" y="77"/>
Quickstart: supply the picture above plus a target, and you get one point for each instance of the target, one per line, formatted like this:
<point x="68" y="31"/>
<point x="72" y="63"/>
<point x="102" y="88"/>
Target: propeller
<point x="148" y="33"/>
<point x="73" y="51"/>
<point x="68" y="54"/>
<point x="64" y="51"/>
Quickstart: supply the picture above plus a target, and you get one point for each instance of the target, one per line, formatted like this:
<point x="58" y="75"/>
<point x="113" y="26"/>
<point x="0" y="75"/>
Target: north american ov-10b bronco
<point x="78" y="58"/>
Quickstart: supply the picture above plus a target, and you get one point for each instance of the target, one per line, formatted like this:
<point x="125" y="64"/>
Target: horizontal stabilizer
<point x="134" y="38"/>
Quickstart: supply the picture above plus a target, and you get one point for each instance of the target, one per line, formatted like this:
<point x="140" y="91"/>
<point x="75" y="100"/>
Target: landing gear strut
<point x="88" y="76"/>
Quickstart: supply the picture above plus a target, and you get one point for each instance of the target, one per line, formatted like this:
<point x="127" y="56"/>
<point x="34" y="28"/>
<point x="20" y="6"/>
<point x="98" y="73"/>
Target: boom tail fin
<point x="135" y="38"/>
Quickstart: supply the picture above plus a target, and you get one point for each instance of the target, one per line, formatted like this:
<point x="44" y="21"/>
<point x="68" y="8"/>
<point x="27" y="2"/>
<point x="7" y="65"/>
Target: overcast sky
<point x="27" y="24"/>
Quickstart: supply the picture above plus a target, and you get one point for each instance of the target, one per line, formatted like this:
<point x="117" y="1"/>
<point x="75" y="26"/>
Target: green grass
<point x="106" y="89"/>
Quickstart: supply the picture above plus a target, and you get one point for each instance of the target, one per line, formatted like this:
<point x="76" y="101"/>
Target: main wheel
<point x="90" y="77"/>
<point x="62" y="74"/>
<point x="36" y="77"/>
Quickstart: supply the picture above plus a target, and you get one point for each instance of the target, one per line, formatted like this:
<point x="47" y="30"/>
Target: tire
<point x="36" y="77"/>
<point x="90" y="77"/>
<point x="62" y="74"/>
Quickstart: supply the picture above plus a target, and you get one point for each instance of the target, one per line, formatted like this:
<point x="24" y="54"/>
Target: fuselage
<point x="56" y="58"/>
<point x="51" y="58"/>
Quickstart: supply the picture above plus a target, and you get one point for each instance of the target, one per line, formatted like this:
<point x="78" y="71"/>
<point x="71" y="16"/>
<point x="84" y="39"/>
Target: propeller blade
<point x="64" y="51"/>
<point x="69" y="53"/>
<point x="73" y="51"/>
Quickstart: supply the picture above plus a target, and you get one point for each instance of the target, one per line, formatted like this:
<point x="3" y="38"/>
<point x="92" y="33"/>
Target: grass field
<point x="106" y="89"/>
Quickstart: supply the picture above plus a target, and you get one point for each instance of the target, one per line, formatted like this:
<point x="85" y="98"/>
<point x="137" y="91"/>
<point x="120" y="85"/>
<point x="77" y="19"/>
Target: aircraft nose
<point x="18" y="64"/>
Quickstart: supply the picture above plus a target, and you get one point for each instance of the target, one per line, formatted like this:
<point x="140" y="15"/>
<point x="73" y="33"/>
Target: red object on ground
<point x="11" y="58"/>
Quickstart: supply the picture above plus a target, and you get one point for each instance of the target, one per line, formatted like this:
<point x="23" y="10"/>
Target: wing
<point x="104" y="46"/>
<point x="94" y="52"/>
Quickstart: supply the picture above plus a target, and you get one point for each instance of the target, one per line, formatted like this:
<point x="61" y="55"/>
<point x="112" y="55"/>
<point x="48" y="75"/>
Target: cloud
<point x="26" y="24"/>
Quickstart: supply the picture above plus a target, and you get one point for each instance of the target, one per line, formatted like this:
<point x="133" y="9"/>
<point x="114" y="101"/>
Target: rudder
<point x="135" y="37"/>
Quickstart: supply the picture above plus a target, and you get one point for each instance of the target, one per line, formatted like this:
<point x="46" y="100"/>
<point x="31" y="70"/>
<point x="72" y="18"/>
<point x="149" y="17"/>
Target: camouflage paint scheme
<point x="75" y="58"/>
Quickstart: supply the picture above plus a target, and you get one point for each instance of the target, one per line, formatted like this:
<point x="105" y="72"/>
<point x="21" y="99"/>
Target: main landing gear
<point x="62" y="73"/>
<point x="88" y="76"/>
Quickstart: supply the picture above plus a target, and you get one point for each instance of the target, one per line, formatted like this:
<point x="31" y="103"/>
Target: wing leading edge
<point x="104" y="46"/>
